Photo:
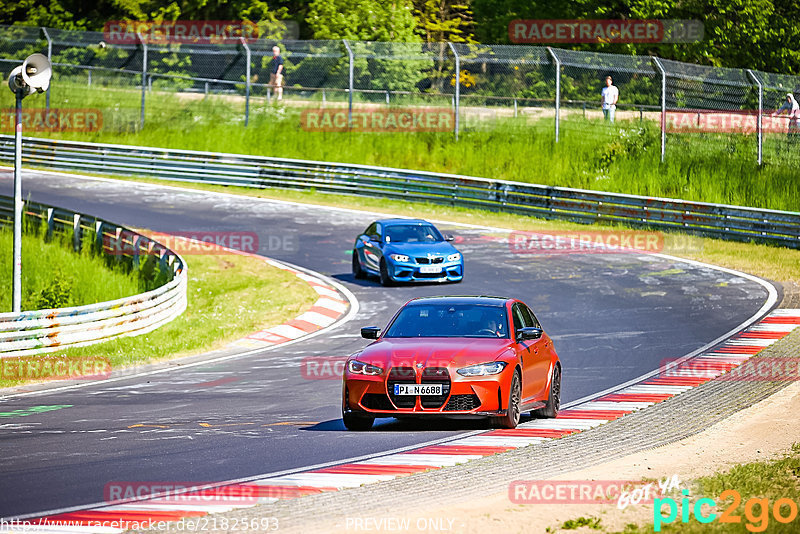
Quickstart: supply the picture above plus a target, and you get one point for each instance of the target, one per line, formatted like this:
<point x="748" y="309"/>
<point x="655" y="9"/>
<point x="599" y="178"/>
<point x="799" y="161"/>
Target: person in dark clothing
<point x="276" y="72"/>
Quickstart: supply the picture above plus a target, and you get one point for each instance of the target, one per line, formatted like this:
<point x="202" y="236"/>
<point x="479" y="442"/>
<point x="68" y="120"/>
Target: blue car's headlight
<point x="483" y="369"/>
<point x="361" y="368"/>
<point x="454" y="257"/>
<point x="402" y="258"/>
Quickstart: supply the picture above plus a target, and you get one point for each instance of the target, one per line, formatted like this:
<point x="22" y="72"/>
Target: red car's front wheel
<point x="511" y="418"/>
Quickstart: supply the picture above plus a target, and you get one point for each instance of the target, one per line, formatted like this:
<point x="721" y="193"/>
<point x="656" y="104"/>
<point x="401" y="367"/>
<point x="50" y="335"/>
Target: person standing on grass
<point x="792" y="109"/>
<point x="608" y="99"/>
<point x="276" y="72"/>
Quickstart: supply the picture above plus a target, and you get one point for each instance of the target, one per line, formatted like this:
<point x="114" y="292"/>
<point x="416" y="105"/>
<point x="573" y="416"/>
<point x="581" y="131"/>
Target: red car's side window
<point x="519" y="322"/>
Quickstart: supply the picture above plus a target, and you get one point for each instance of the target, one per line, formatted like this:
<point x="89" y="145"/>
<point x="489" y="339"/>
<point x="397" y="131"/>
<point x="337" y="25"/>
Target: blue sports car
<point x="406" y="250"/>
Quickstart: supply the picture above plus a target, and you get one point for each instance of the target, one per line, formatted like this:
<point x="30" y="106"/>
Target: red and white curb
<point x="329" y="308"/>
<point x="588" y="414"/>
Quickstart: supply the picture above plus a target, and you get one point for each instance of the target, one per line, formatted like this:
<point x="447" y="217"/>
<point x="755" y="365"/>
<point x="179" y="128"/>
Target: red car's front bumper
<point x="485" y="395"/>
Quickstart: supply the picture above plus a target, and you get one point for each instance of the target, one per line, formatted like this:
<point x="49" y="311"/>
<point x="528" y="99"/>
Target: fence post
<point x="350" y="85"/>
<point x="558" y="89"/>
<point x="76" y="232"/>
<point x="247" y="82"/>
<point x="663" y="105"/>
<point x="457" y="96"/>
<point x="49" y="58"/>
<point x="144" y="77"/>
<point x="760" y="111"/>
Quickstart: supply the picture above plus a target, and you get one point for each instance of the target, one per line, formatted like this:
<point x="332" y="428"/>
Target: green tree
<point x="363" y="20"/>
<point x="444" y="20"/>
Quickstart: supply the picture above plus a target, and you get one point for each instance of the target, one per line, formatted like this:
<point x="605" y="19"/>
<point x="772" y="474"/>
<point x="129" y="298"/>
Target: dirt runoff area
<point x="756" y="433"/>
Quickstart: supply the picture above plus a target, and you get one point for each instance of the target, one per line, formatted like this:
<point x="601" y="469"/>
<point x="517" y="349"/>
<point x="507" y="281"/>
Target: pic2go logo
<point x="756" y="511"/>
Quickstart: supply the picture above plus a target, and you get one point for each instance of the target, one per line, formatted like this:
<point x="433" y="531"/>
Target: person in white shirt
<point x="608" y="99"/>
<point x="792" y="109"/>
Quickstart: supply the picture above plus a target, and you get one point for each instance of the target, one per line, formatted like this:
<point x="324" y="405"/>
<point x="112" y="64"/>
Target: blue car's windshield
<point x="413" y="233"/>
<point x="450" y="320"/>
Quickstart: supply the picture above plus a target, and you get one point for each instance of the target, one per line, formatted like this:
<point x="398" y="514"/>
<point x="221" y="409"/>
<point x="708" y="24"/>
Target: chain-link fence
<point x="552" y="89"/>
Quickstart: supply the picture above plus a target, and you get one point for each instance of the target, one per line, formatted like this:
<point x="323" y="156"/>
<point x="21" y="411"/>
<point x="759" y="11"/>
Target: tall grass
<point x="624" y="157"/>
<point x="54" y="276"/>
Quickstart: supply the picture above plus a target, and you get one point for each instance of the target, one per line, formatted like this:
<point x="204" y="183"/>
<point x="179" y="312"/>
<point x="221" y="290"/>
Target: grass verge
<point x="228" y="297"/>
<point x="53" y="276"/>
<point x="759" y="486"/>
<point x="624" y="157"/>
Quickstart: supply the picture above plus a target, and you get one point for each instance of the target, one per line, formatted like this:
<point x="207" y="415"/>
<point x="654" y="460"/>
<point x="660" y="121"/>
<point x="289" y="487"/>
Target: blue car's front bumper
<point x="413" y="272"/>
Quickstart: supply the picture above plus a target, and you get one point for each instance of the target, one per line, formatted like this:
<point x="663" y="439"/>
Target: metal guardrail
<point x="585" y="206"/>
<point x="42" y="331"/>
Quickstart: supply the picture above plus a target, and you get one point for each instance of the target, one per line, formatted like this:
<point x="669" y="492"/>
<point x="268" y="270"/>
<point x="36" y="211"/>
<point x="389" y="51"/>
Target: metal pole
<point x="558" y="89"/>
<point x="663" y="105"/>
<point x="760" y="112"/>
<point x="49" y="58"/>
<point x="247" y="83"/>
<point x="350" y="92"/>
<point x="144" y="77"/>
<point x="457" y="96"/>
<point x="16" y="292"/>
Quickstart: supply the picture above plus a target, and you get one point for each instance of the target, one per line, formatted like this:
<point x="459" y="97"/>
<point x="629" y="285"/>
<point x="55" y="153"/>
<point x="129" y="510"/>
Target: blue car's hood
<point x="417" y="249"/>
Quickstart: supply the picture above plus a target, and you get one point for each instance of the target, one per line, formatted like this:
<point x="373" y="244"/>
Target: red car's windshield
<point x="450" y="320"/>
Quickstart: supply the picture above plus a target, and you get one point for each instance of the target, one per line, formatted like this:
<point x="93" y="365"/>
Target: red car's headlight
<point x="483" y="369"/>
<point x="361" y="368"/>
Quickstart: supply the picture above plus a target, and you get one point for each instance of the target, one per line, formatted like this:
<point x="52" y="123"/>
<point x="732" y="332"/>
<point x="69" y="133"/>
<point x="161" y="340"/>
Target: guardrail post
<point x="144" y="77"/>
<point x="76" y="232"/>
<point x="558" y="89"/>
<point x="663" y="105"/>
<point x="760" y="111"/>
<point x="49" y="58"/>
<point x="457" y="94"/>
<point x="50" y="223"/>
<point x="135" y="254"/>
<point x="350" y="85"/>
<point x="247" y="82"/>
<point x="98" y="235"/>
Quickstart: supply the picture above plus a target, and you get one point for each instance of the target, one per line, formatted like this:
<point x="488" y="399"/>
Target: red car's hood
<point x="433" y="352"/>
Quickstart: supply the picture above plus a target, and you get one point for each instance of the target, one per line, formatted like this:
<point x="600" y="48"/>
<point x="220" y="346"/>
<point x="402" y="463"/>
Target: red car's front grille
<point x="407" y="375"/>
<point x="401" y="375"/>
<point x="436" y="375"/>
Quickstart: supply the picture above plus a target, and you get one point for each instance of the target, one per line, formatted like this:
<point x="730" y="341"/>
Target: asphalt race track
<point x="613" y="318"/>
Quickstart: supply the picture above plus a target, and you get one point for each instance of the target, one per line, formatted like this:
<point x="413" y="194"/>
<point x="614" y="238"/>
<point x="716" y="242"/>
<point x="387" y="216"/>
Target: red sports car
<point x="454" y="356"/>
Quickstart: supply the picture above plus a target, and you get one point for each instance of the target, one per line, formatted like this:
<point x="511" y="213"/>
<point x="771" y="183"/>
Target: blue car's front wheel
<point x="358" y="272"/>
<point x="386" y="280"/>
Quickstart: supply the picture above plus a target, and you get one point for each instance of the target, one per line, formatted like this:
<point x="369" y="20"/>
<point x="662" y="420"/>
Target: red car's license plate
<point x="418" y="389"/>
